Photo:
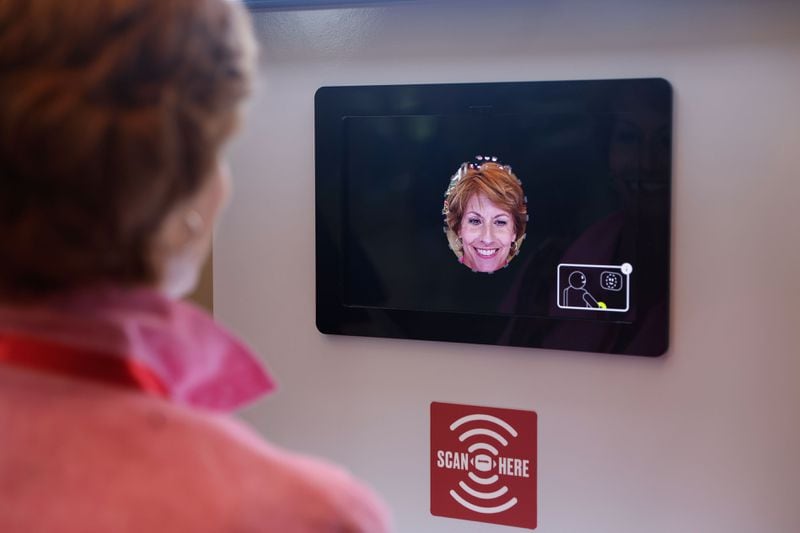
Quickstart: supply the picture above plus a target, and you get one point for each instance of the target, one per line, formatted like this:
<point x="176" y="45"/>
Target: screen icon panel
<point x="594" y="288"/>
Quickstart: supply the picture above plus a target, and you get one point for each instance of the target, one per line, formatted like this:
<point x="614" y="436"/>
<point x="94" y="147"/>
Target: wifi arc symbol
<point x="483" y="463"/>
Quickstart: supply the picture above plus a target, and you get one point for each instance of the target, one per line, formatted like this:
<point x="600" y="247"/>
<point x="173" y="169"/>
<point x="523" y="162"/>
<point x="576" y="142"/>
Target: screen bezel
<point x="333" y="104"/>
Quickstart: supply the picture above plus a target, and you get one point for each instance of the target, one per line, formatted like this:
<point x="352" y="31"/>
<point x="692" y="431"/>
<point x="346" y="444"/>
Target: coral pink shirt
<point x="84" y="455"/>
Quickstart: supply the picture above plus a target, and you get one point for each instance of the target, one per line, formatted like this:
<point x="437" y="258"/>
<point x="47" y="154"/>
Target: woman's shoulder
<point x="305" y="493"/>
<point x="107" y="457"/>
<point x="327" y="496"/>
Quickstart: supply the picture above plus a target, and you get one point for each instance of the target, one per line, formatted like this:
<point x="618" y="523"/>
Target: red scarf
<point x="54" y="358"/>
<point x="136" y="338"/>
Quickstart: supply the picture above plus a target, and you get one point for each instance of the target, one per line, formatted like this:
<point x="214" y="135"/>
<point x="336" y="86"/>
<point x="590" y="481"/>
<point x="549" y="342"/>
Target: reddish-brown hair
<point x="112" y="112"/>
<point x="500" y="186"/>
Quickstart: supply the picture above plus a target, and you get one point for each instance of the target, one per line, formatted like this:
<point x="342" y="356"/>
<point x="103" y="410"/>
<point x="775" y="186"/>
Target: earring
<point x="513" y="247"/>
<point x="194" y="222"/>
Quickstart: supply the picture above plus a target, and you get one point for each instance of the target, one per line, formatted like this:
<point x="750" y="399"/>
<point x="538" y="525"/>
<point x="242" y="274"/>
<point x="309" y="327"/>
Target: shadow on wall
<point x="203" y="294"/>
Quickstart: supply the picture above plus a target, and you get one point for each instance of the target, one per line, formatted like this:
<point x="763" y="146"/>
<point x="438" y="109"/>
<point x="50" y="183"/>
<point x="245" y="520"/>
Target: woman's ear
<point x="213" y="197"/>
<point x="184" y="241"/>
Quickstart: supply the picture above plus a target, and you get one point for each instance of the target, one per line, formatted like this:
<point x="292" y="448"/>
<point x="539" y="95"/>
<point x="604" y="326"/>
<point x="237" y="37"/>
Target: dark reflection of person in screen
<point x="485" y="215"/>
<point x="607" y="203"/>
<point x="638" y="161"/>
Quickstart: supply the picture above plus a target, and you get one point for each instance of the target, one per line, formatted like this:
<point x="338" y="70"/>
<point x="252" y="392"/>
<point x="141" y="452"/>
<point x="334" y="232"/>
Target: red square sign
<point x="483" y="464"/>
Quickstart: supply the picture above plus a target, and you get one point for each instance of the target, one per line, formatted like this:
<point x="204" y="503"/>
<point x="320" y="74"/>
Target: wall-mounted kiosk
<point x="523" y="214"/>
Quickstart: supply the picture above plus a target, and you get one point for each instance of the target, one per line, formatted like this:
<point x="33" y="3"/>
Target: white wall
<point x="705" y="439"/>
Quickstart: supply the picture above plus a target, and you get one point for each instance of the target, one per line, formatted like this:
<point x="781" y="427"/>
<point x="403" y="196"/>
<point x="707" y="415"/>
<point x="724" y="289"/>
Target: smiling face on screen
<point x="486" y="232"/>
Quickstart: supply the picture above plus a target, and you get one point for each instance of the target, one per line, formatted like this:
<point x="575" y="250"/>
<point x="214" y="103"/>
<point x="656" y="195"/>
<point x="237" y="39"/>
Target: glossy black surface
<point x="594" y="159"/>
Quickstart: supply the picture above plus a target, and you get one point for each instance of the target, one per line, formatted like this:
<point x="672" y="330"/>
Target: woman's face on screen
<point x="487" y="232"/>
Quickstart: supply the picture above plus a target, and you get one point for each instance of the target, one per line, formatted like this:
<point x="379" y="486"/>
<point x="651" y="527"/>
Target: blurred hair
<point x="112" y="112"/>
<point x="501" y="187"/>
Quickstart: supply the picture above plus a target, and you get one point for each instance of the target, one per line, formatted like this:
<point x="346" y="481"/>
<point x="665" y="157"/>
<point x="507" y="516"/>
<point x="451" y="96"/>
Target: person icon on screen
<point x="576" y="294"/>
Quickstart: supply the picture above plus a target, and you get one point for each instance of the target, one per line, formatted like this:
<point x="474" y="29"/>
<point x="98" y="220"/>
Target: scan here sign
<point x="483" y="464"/>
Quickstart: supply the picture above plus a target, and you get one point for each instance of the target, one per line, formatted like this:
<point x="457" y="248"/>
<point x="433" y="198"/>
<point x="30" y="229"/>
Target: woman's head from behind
<point x="486" y="215"/>
<point x="112" y="117"/>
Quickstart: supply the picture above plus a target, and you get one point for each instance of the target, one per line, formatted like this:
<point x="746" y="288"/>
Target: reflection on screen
<point x="574" y="169"/>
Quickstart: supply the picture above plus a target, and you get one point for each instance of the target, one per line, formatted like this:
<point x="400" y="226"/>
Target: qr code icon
<point x="611" y="281"/>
